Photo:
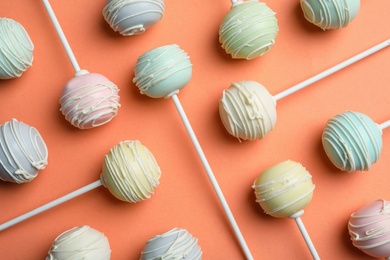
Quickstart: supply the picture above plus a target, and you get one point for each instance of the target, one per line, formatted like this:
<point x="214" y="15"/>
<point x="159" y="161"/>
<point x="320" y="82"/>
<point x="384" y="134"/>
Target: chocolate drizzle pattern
<point x="174" y="244"/>
<point x="16" y="49"/>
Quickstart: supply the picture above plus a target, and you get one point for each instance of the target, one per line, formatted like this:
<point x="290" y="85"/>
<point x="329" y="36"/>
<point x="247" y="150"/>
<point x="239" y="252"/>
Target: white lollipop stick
<point x="385" y="124"/>
<point x="332" y="70"/>
<point x="212" y="178"/>
<point x="61" y="34"/>
<point x="306" y="237"/>
<point x="50" y="205"/>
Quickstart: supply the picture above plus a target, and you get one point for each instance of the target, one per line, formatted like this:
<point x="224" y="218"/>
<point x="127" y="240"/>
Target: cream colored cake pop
<point x="284" y="190"/>
<point x="130" y="173"/>
<point x="130" y="17"/>
<point x="81" y="242"/>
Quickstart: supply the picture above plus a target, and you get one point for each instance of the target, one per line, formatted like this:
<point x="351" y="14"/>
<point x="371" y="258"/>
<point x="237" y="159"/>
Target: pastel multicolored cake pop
<point x="130" y="17"/>
<point x="284" y="190"/>
<point x="16" y="49"/>
<point x="330" y="14"/>
<point x="23" y="152"/>
<point x="162" y="72"/>
<point x="89" y="99"/>
<point x="369" y="228"/>
<point x="129" y="172"/>
<point x="81" y="242"/>
<point x="176" y="243"/>
<point x="352" y="141"/>
<point x="248" y="110"/>
<point x="248" y="30"/>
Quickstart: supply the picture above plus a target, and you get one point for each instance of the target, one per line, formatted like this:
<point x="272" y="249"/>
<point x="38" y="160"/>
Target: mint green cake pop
<point x="162" y="71"/>
<point x="248" y="30"/>
<point x="352" y="141"/>
<point x="330" y="14"/>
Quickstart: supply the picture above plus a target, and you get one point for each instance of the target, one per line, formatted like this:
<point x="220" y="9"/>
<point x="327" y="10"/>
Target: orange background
<point x="185" y="197"/>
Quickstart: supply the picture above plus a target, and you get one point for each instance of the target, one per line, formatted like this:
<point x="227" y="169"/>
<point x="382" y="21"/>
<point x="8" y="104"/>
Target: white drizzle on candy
<point x="133" y="172"/>
<point x="131" y="17"/>
<point x="16" y="49"/>
<point x="174" y="244"/>
<point x="23" y="152"/>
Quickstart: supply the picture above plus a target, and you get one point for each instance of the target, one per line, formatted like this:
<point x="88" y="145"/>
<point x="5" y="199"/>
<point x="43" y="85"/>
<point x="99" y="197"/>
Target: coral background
<point x="185" y="197"/>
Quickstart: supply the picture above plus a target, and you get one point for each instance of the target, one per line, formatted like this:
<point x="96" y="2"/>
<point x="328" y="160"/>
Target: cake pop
<point x="369" y="228"/>
<point x="89" y="99"/>
<point x="16" y="49"/>
<point x="131" y="17"/>
<point x="162" y="72"/>
<point x="334" y="14"/>
<point x="130" y="173"/>
<point x="176" y="243"/>
<point x="23" y="152"/>
<point x="284" y="190"/>
<point x="248" y="111"/>
<point x="81" y="242"/>
<point x="248" y="30"/>
<point x="352" y="141"/>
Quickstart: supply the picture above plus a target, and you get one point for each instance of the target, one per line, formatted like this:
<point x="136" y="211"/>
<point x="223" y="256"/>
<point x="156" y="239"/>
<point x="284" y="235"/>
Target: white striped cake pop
<point x="130" y="17"/>
<point x="129" y="172"/>
<point x="16" y="49"/>
<point x="23" y="152"/>
<point x="82" y="242"/>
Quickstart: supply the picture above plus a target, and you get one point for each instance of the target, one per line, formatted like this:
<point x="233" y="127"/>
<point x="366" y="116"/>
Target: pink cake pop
<point x="369" y="228"/>
<point x="89" y="99"/>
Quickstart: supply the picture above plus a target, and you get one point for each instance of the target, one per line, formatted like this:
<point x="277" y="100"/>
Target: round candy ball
<point x="248" y="30"/>
<point x="174" y="244"/>
<point x="89" y="100"/>
<point x="81" y="242"/>
<point x="131" y="17"/>
<point x="162" y="71"/>
<point x="369" y="228"/>
<point x="247" y="110"/>
<point x="333" y="14"/>
<point x="352" y="141"/>
<point x="130" y="172"/>
<point x="284" y="189"/>
<point x="16" y="49"/>
<point x="23" y="153"/>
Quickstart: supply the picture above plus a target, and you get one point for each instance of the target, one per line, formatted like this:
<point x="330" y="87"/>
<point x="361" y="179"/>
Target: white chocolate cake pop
<point x="248" y="30"/>
<point x="89" y="100"/>
<point x="174" y="244"/>
<point x="330" y="14"/>
<point x="22" y="152"/>
<point x="284" y="189"/>
<point x="352" y="141"/>
<point x="16" y="49"/>
<point x="81" y="242"/>
<point x="369" y="228"/>
<point x="130" y="172"/>
<point x="247" y="110"/>
<point x="130" y="17"/>
<point x="162" y="71"/>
